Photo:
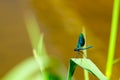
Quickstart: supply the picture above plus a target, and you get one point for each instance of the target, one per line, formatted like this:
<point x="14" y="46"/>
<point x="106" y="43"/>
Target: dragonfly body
<point x="81" y="43"/>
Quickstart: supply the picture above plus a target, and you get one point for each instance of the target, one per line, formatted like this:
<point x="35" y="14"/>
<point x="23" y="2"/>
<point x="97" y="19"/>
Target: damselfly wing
<point x="81" y="43"/>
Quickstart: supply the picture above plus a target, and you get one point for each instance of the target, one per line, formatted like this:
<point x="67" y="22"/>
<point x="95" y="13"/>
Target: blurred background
<point x="61" y="22"/>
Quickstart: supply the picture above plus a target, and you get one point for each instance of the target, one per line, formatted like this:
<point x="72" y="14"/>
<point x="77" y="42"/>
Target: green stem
<point x="112" y="40"/>
<point x="86" y="74"/>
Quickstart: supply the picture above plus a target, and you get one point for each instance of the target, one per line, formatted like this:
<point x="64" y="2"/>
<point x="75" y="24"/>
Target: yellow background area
<point x="61" y="22"/>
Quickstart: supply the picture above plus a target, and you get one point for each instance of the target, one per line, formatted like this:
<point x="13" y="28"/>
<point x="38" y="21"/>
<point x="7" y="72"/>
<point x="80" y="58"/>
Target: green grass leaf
<point x="40" y="55"/>
<point x="72" y="67"/>
<point x="23" y="71"/>
<point x="86" y="64"/>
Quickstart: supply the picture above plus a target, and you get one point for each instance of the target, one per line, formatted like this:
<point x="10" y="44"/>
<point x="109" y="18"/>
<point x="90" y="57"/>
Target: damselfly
<point x="81" y="43"/>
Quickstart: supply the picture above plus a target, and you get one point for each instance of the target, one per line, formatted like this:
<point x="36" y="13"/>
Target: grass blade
<point x="22" y="71"/>
<point x="32" y="28"/>
<point x="71" y="69"/>
<point x="86" y="74"/>
<point x="116" y="61"/>
<point x="113" y="37"/>
<point x="88" y="65"/>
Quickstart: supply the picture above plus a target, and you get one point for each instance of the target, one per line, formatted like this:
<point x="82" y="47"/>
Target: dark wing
<point x="85" y="48"/>
<point x="81" y="41"/>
